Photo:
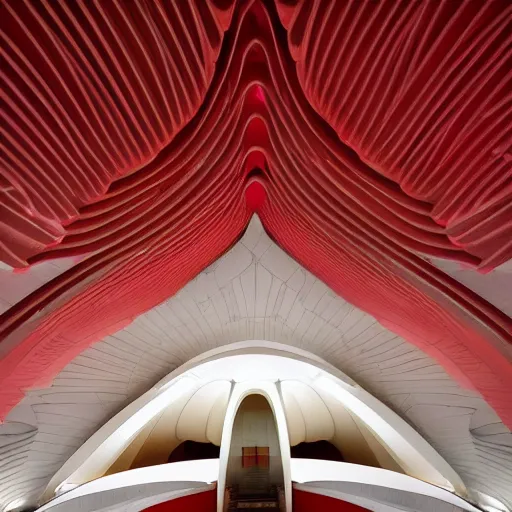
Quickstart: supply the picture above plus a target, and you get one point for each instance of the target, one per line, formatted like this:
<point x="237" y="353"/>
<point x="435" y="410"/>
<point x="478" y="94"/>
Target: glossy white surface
<point x="310" y="470"/>
<point x="293" y="378"/>
<point x="205" y="471"/>
<point x="270" y="392"/>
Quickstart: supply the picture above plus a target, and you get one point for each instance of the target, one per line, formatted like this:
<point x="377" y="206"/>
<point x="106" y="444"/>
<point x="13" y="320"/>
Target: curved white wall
<point x="96" y="455"/>
<point x="322" y="471"/>
<point x="255" y="291"/>
<point x="184" y="473"/>
<point x="198" y="421"/>
<point x="256" y="366"/>
<point x="413" y="453"/>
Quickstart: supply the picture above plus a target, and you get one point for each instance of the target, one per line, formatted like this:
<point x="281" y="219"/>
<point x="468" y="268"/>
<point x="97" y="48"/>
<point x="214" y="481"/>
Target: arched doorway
<point x="255" y="470"/>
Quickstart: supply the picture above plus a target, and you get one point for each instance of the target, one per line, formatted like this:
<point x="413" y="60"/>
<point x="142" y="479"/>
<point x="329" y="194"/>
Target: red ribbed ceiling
<point x="368" y="136"/>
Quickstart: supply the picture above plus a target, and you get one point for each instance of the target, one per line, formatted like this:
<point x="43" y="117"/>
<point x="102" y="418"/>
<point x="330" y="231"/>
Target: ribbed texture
<point x="94" y="90"/>
<point x="155" y="216"/>
<point x="422" y="92"/>
<point x="255" y="291"/>
<point x="16" y="443"/>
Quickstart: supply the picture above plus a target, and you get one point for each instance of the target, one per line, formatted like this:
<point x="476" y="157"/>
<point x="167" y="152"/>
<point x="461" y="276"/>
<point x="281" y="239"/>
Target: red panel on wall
<point x="311" y="502"/>
<point x="200" y="502"/>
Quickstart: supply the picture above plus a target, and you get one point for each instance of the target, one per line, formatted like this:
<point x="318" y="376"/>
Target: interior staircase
<point x="254" y="492"/>
<point x="255" y="481"/>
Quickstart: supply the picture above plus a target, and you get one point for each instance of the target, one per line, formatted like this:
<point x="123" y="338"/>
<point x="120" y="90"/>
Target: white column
<point x="270" y="392"/>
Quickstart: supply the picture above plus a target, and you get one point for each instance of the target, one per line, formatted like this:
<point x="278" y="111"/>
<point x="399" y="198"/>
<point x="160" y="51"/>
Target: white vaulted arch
<point x="256" y="291"/>
<point x="194" y="421"/>
<point x="280" y="373"/>
<point x="270" y="392"/>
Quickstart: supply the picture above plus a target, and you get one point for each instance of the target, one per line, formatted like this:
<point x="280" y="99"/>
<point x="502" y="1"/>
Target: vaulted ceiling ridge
<point x="167" y="188"/>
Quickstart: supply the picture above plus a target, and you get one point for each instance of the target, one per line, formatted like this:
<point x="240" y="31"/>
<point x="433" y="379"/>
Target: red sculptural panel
<point x="368" y="136"/>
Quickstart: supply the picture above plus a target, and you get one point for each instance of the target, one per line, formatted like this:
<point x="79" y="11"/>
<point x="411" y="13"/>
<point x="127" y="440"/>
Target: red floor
<point x="302" y="502"/>
<point x="200" y="502"/>
<point x="310" y="502"/>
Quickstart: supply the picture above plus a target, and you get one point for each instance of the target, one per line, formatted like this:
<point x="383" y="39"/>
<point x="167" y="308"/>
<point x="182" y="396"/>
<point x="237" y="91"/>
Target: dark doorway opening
<point x="316" y="450"/>
<point x="254" y="476"/>
<point x="191" y="450"/>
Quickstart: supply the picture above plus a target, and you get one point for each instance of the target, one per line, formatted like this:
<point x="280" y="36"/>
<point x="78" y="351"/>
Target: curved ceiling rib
<point x="122" y="90"/>
<point x="256" y="291"/>
<point x="155" y="196"/>
<point x="94" y="92"/>
<point x="370" y="137"/>
<point x="421" y="90"/>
